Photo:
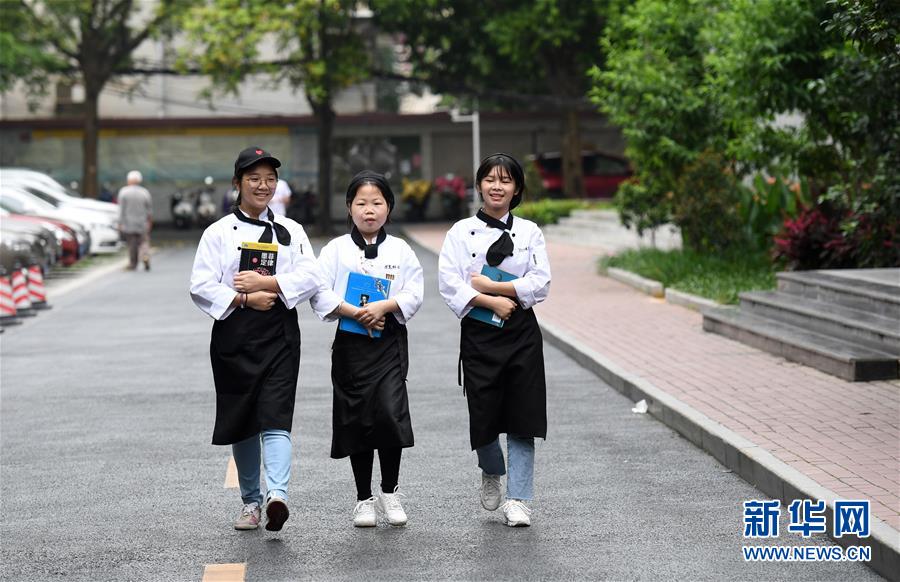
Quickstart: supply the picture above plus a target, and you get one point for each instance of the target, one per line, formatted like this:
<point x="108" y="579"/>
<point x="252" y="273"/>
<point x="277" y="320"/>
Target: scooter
<point x="182" y="210"/>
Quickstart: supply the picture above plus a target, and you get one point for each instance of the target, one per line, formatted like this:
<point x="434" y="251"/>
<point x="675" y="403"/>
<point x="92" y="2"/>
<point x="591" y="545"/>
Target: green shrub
<point x="705" y="206"/>
<point x="549" y="210"/>
<point x="641" y="207"/>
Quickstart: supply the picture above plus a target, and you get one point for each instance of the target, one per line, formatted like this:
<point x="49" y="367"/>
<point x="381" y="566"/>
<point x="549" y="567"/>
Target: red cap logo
<point x="259" y="152"/>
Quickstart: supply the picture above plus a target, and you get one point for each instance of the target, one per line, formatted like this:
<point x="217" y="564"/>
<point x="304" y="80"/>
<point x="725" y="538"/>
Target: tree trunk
<point x="325" y="126"/>
<point x="573" y="172"/>
<point x="89" y="182"/>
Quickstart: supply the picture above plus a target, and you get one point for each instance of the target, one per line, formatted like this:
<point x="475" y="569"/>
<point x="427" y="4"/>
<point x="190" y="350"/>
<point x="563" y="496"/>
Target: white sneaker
<point x="249" y="517"/>
<point x="490" y="491"/>
<point x="364" y="513"/>
<point x="516" y="513"/>
<point x="389" y="505"/>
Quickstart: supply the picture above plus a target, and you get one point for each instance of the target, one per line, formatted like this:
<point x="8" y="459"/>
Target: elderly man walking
<point x="136" y="219"/>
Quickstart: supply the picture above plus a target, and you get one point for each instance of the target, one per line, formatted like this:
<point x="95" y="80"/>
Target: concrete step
<point x="613" y="241"/>
<point x="860" y="292"/>
<point x="831" y="355"/>
<point x="849" y="324"/>
<point x="590" y="223"/>
<point x="596" y="214"/>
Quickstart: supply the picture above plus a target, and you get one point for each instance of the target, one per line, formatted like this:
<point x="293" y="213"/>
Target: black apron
<point x="256" y="361"/>
<point x="371" y="408"/>
<point x="504" y="383"/>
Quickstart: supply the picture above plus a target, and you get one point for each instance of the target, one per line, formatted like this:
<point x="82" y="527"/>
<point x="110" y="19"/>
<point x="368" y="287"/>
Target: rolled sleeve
<point x="207" y="290"/>
<point x="452" y="279"/>
<point x="412" y="294"/>
<point x="303" y="281"/>
<point x="325" y="301"/>
<point x="534" y="286"/>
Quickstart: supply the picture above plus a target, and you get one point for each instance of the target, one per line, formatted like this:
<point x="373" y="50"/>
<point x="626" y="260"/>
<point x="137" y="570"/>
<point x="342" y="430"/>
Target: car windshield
<point x="29" y="201"/>
<point x="13" y="205"/>
<point x="43" y="196"/>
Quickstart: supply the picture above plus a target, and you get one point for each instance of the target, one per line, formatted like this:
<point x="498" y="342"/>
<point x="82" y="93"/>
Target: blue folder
<point x="484" y="314"/>
<point x="363" y="289"/>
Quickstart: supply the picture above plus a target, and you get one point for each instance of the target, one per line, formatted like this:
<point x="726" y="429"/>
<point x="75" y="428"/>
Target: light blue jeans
<point x="520" y="483"/>
<point x="276" y="452"/>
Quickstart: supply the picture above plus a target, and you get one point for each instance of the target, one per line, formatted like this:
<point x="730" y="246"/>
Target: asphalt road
<point x="106" y="471"/>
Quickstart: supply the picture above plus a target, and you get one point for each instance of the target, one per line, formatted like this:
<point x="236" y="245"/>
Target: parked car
<point x="603" y="172"/>
<point x="20" y="249"/>
<point x="104" y="235"/>
<point x="49" y="190"/>
<point x="66" y="238"/>
<point x="14" y="204"/>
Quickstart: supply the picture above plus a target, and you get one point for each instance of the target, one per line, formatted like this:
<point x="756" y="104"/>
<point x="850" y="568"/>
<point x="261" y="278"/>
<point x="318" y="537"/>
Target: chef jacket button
<point x="234" y="227"/>
<point x="473" y="254"/>
<point x="239" y="248"/>
<point x="472" y="233"/>
<point x="514" y="234"/>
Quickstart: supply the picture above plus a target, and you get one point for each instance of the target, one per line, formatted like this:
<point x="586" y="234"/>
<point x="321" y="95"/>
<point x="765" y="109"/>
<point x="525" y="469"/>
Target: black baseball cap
<point x="253" y="155"/>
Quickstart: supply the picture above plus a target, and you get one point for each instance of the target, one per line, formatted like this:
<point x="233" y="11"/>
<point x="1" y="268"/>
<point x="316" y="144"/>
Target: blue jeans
<point x="520" y="483"/>
<point x="276" y="450"/>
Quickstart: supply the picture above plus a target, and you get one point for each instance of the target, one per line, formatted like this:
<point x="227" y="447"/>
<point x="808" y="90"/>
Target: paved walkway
<point x="843" y="435"/>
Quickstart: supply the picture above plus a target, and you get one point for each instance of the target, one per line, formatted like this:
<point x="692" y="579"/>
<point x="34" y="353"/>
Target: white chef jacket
<point x="218" y="260"/>
<point x="464" y="251"/>
<point x="396" y="262"/>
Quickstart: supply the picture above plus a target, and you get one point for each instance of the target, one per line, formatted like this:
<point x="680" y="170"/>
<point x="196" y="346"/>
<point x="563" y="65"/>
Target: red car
<point x="602" y="173"/>
<point x="68" y="242"/>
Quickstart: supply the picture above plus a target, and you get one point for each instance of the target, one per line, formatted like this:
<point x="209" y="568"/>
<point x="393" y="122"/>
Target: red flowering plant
<point x="452" y="190"/>
<point x="830" y="236"/>
<point x="451" y="185"/>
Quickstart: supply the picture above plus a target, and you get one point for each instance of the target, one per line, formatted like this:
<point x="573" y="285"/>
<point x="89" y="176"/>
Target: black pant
<point x="389" y="459"/>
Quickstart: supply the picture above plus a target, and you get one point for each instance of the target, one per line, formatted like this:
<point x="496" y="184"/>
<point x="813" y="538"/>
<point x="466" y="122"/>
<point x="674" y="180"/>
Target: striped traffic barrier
<point x="36" y="291"/>
<point x="7" y="305"/>
<point x="20" y="293"/>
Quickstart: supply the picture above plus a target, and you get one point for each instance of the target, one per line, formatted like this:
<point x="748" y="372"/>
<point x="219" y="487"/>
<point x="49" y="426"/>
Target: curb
<point x="689" y="300"/>
<point x="648" y="286"/>
<point x="751" y="462"/>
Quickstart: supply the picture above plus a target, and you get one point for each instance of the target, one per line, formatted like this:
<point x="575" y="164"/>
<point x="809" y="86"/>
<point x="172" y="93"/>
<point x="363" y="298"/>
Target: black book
<point x="259" y="257"/>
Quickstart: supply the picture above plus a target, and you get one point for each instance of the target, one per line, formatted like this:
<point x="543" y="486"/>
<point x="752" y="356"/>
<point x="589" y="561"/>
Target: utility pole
<point x="472" y="118"/>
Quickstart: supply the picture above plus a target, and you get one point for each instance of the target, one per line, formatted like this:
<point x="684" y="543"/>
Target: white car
<point x="104" y="234"/>
<point x="49" y="190"/>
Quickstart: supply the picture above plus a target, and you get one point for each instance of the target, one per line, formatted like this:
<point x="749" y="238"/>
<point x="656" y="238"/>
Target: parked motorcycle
<point x="182" y="208"/>
<point x="206" y="211"/>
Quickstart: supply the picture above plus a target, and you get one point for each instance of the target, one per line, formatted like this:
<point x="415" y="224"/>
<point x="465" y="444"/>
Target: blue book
<point x="361" y="290"/>
<point x="483" y="313"/>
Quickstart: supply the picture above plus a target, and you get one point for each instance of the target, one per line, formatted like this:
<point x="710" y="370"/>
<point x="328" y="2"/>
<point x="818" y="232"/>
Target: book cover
<point x="363" y="289"/>
<point x="484" y="314"/>
<point x="259" y="257"/>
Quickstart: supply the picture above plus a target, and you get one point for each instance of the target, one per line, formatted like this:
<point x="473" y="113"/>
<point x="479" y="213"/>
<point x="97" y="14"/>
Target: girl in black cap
<point x="501" y="349"/>
<point x="369" y="366"/>
<point x="251" y="270"/>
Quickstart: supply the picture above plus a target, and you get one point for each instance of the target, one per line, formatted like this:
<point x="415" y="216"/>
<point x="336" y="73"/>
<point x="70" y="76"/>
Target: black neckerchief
<point x="503" y="246"/>
<point x="371" y="250"/>
<point x="284" y="237"/>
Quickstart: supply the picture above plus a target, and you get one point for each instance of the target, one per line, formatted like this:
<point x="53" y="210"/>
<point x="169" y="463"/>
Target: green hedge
<point x="550" y="210"/>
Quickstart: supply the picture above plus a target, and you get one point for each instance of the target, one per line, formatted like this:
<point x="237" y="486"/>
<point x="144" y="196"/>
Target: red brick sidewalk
<point x="843" y="435"/>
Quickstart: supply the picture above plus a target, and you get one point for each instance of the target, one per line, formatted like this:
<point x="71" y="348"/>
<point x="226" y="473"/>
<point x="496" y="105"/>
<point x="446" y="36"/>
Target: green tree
<point x="321" y="46"/>
<point x="505" y="53"/>
<point x="91" y="41"/>
<point x="654" y="86"/>
<point x="22" y="57"/>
